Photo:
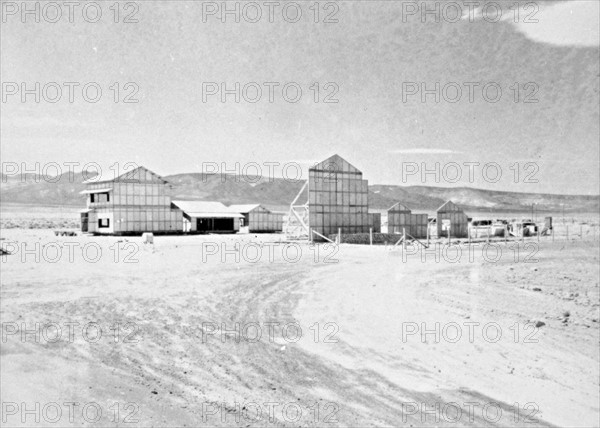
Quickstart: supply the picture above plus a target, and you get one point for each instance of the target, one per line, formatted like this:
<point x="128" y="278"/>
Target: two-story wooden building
<point x="134" y="202"/>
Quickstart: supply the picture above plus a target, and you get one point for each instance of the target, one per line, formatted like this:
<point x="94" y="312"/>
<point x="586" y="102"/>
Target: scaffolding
<point x="297" y="225"/>
<point x="336" y="202"/>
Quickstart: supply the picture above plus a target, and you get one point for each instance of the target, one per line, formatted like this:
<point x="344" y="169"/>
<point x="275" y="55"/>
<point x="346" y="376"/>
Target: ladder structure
<point x="297" y="226"/>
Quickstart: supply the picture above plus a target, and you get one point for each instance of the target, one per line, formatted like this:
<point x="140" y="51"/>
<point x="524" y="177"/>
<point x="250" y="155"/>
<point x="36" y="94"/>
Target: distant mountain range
<point x="277" y="193"/>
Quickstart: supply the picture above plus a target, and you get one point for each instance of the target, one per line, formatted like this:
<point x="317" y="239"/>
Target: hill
<point x="277" y="193"/>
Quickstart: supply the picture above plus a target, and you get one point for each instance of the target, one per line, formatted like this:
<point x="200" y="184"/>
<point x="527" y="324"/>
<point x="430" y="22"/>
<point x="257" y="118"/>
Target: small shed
<point x="451" y="217"/>
<point x="400" y="218"/>
<point x="208" y="217"/>
<point x="258" y="218"/>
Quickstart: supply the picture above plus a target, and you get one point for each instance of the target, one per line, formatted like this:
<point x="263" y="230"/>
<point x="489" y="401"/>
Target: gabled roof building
<point x="337" y="201"/>
<point x="208" y="217"/>
<point x="258" y="218"/>
<point x="401" y="219"/>
<point x="451" y="219"/>
<point x="132" y="203"/>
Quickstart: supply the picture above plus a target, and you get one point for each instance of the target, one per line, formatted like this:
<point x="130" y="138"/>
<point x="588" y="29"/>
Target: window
<point x="92" y="198"/>
<point x="103" y="222"/>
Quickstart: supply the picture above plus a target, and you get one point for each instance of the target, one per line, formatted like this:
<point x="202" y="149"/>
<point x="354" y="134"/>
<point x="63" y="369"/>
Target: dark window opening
<point x="99" y="197"/>
<point x="84" y="222"/>
<point x="103" y="222"/>
<point x="214" y="224"/>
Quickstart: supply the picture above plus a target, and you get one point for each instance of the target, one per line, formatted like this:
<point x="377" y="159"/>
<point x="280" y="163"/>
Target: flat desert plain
<point x="192" y="331"/>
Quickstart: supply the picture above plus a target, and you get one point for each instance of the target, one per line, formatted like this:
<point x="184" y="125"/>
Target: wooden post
<point x="522" y="233"/>
<point x="403" y="239"/>
<point x="469" y="235"/>
<point x="428" y="224"/>
<point x="449" y="234"/>
<point x="339" y="235"/>
<point x="505" y="233"/>
<point x="370" y="236"/>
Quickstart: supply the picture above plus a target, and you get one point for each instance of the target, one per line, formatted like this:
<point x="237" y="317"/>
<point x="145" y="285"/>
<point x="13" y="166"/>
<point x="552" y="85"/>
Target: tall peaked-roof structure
<point x="334" y="198"/>
<point x="335" y="163"/>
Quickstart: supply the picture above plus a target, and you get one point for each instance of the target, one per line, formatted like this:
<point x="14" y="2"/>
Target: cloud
<point x="423" y="151"/>
<point x="568" y="23"/>
<point x="573" y="23"/>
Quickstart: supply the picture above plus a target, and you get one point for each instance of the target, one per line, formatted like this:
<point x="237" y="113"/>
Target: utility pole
<point x="532" y="212"/>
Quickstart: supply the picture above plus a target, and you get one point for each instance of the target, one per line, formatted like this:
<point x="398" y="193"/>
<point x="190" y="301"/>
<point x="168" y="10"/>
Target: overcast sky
<point x="374" y="61"/>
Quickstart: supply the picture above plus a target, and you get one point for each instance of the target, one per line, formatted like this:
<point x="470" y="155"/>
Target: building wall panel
<point x="338" y="199"/>
<point x="458" y="223"/>
<point x="401" y="219"/>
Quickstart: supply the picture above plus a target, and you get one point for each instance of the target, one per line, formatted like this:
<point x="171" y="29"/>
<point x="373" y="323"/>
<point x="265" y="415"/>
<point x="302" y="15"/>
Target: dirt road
<point x="170" y="352"/>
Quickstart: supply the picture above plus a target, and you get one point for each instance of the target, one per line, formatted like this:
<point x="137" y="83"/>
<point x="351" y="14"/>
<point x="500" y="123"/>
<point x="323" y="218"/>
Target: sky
<point x="491" y="96"/>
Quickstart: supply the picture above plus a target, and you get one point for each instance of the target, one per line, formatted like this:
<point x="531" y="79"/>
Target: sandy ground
<point x="361" y="358"/>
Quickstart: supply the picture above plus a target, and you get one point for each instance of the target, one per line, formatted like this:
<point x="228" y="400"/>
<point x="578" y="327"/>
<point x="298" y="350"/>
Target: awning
<point x="88" y="191"/>
<point x="85" y="211"/>
<point x="214" y="215"/>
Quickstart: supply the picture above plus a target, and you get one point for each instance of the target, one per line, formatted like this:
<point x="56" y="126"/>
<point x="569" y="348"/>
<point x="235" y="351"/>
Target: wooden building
<point x="208" y="217"/>
<point x="401" y="218"/>
<point x="450" y="216"/>
<point x="336" y="198"/>
<point x="132" y="203"/>
<point x="258" y="218"/>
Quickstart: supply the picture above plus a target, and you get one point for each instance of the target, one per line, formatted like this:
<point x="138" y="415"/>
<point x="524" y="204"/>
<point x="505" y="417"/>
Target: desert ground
<point x="192" y="331"/>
